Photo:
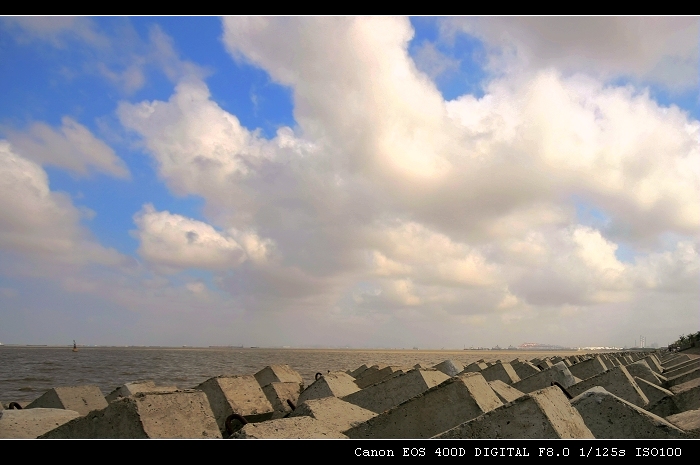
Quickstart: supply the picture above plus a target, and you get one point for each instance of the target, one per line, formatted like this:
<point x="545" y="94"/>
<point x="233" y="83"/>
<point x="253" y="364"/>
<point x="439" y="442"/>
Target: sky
<point x="382" y="182"/>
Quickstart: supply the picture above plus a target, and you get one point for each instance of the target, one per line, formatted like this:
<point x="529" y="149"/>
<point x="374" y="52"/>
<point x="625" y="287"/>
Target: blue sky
<point x="341" y="181"/>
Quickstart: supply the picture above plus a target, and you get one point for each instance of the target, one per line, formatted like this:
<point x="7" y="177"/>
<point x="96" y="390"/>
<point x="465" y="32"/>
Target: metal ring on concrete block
<point x="318" y="375"/>
<point x="291" y="404"/>
<point x="229" y="422"/>
<point x="14" y="406"/>
<point x="566" y="393"/>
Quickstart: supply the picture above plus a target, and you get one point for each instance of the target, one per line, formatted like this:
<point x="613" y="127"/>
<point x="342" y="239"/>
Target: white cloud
<point x="387" y="199"/>
<point x="73" y="147"/>
<point x="434" y="63"/>
<point x="174" y="242"/>
<point x="55" y="29"/>
<point x="41" y="224"/>
<point x="656" y="49"/>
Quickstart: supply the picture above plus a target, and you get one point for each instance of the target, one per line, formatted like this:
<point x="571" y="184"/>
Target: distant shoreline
<point x="330" y="349"/>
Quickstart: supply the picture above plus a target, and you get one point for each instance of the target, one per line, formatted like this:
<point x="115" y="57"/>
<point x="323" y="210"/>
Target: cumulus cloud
<point x="39" y="223"/>
<point x="72" y="147"/>
<point x="656" y="49"/>
<point x="55" y="29"/>
<point x="113" y="49"/>
<point x="174" y="242"/>
<point x="388" y="200"/>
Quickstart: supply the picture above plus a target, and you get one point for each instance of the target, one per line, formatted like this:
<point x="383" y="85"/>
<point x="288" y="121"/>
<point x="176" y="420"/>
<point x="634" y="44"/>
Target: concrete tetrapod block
<point x="395" y="390"/>
<point x="502" y="371"/>
<point x="337" y="414"/>
<point x="688" y="421"/>
<point x="369" y="371"/>
<point x="438" y="409"/>
<point x="682" y="368"/>
<point x="336" y="384"/>
<point x="589" y="368"/>
<point x="504" y="392"/>
<point x="236" y="394"/>
<point x="475" y="367"/>
<point x="542" y="363"/>
<point x="680" y="379"/>
<point x="686" y="396"/>
<point x="542" y="414"/>
<point x="652" y="392"/>
<point x="288" y="428"/>
<point x="524" y="369"/>
<point x="675" y="361"/>
<point x="129" y="389"/>
<point x="357" y="371"/>
<point x="450" y="367"/>
<point x="559" y="373"/>
<point x="617" y="381"/>
<point x="278" y="394"/>
<point x="641" y="369"/>
<point x="167" y="415"/>
<point x="81" y="399"/>
<point x="278" y="374"/>
<point x="378" y="376"/>
<point x="32" y="423"/>
<point x="654" y="363"/>
<point x="610" y="417"/>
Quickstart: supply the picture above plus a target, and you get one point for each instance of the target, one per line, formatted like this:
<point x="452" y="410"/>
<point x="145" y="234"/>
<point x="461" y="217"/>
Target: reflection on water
<point x="27" y="372"/>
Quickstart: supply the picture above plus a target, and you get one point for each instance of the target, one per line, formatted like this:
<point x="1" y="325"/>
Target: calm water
<point x="27" y="372"/>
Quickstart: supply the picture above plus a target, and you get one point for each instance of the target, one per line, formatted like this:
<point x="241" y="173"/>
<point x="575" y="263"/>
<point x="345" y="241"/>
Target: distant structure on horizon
<point x="538" y="346"/>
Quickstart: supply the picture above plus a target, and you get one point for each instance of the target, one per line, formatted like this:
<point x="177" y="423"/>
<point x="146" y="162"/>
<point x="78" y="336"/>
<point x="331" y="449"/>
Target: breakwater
<point x="605" y="395"/>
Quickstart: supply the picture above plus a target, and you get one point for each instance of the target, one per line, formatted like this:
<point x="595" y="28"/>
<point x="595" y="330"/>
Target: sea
<point x="26" y="372"/>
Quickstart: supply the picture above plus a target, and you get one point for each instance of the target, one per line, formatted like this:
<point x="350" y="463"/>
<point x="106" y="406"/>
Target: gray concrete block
<point x="236" y="394"/>
<point x="542" y="363"/>
<point x="278" y="374"/>
<point x="337" y="414"/>
<point x="378" y="376"/>
<point x="129" y="389"/>
<point x="81" y="399"/>
<point x="505" y="392"/>
<point x="475" y="367"/>
<point x="653" y="392"/>
<point x="617" y="381"/>
<point x="640" y="369"/>
<point x="545" y="413"/>
<point x="610" y="417"/>
<point x="450" y="403"/>
<point x="589" y="368"/>
<point x="278" y="394"/>
<point x="682" y="368"/>
<point x="559" y="373"/>
<point x="688" y="421"/>
<point x="680" y="379"/>
<point x="288" y="428"/>
<point x="501" y="371"/>
<point x="450" y="367"/>
<point x="357" y="371"/>
<point x="686" y="396"/>
<point x="654" y="363"/>
<point x="369" y="371"/>
<point x="524" y="369"/>
<point x="182" y="414"/>
<point x="672" y="361"/>
<point x="336" y="384"/>
<point x="395" y="390"/>
<point x="32" y="423"/>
